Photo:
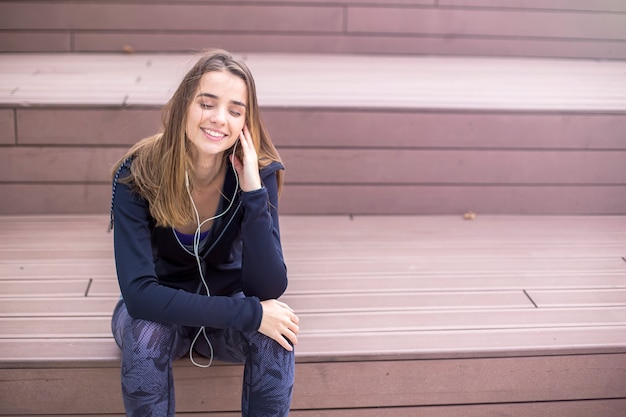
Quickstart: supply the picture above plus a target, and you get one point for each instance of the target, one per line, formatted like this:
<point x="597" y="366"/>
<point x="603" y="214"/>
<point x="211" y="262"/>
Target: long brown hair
<point x="160" y="161"/>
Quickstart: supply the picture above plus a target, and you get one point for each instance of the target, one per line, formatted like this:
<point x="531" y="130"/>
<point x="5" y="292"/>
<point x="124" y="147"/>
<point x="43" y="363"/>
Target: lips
<point x="214" y="134"/>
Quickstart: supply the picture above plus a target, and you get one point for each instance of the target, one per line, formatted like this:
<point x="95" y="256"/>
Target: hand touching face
<point x="247" y="167"/>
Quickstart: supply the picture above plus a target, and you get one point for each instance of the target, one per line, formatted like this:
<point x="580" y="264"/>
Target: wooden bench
<point x="401" y="316"/>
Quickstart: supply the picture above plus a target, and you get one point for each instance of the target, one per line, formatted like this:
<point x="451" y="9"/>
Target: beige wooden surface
<point x="479" y="285"/>
<point x="325" y="80"/>
<point x="401" y="315"/>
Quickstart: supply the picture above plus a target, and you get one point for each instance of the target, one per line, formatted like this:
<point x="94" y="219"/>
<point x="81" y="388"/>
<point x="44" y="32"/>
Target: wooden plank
<point x="366" y="240"/>
<point x="598" y="5"/>
<point x="44" y="79"/>
<point x="606" y="257"/>
<point x="321" y="386"/>
<point x="443" y="230"/>
<point x="416" y="257"/>
<point x="373" y="44"/>
<point x="35" y="42"/>
<point x="584" y="408"/>
<point x="105" y="381"/>
<point x="57" y="307"/>
<point x="328" y="303"/>
<point x="306" y="2"/>
<point x="28" y="353"/>
<point x="54" y="287"/>
<point x="322" y="284"/>
<point x="323" y="80"/>
<point x="476" y="343"/>
<point x="7" y="127"/>
<point x="581" y="298"/>
<point x="415" y="244"/>
<point x="50" y="222"/>
<point x="567" y="228"/>
<point x="325" y="128"/>
<point x="468" y="130"/>
<point x="342" y="283"/>
<point x="30" y="269"/>
<point x="102" y="16"/>
<point x="79" y="255"/>
<point x="540" y="251"/>
<point x="500" y="250"/>
<point x="20" y="198"/>
<point x="474" y="167"/>
<point x="573" y="5"/>
<point x="397" y="321"/>
<point x="305" y="303"/>
<point x="345" y="323"/>
<point x="407" y="166"/>
<point x="56" y="327"/>
<point x="569" y="231"/>
<point x="465" y="22"/>
<point x="495" y="84"/>
<point x="52" y="164"/>
<point x="69" y="243"/>
<point x="86" y="242"/>
<point x="451" y="199"/>
<point x="61" y="198"/>
<point x="438" y="382"/>
<point x="425" y="262"/>
<point x="317" y="347"/>
<point x="299" y="267"/>
<point x="86" y="126"/>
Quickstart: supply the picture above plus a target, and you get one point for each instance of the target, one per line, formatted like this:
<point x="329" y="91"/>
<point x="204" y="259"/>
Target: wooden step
<point x="439" y="135"/>
<point x="400" y="315"/>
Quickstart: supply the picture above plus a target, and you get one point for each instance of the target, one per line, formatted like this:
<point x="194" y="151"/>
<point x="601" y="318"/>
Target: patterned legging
<point x="149" y="348"/>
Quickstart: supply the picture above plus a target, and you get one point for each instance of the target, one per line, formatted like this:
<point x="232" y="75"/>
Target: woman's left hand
<point x="248" y="169"/>
<point x="280" y="323"/>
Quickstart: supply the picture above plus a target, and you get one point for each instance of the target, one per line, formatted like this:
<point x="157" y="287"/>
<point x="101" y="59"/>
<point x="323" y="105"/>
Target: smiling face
<point x="216" y="114"/>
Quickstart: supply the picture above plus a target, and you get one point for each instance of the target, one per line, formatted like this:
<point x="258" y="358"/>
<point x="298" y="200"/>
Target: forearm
<point x="264" y="273"/>
<point x="161" y="304"/>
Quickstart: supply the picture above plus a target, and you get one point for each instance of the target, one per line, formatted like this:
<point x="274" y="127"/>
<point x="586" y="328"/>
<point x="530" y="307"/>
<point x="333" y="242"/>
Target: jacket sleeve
<point x="145" y="298"/>
<point x="264" y="273"/>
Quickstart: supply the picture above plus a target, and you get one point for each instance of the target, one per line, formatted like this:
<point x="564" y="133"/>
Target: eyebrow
<point x="213" y="96"/>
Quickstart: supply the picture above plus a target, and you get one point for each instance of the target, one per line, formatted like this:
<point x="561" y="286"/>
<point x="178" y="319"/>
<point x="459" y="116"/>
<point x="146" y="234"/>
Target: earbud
<point x="187" y="179"/>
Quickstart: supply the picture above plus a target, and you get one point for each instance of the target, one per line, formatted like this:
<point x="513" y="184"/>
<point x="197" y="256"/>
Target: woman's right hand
<point x="280" y="323"/>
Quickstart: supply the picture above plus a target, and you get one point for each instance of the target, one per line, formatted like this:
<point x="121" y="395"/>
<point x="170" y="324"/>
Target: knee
<point x="262" y="346"/>
<point x="146" y="339"/>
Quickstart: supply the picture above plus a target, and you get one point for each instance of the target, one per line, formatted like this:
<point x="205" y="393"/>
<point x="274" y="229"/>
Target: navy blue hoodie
<point x="159" y="278"/>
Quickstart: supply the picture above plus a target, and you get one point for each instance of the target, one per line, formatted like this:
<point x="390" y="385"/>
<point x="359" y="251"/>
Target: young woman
<point x="197" y="246"/>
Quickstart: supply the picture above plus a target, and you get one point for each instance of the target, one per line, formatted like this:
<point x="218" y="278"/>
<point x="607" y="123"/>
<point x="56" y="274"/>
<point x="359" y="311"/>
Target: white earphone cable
<point x="196" y="254"/>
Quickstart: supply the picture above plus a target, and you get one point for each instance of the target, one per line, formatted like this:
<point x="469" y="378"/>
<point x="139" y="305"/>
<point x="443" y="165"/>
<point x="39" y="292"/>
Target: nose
<point x="218" y="115"/>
